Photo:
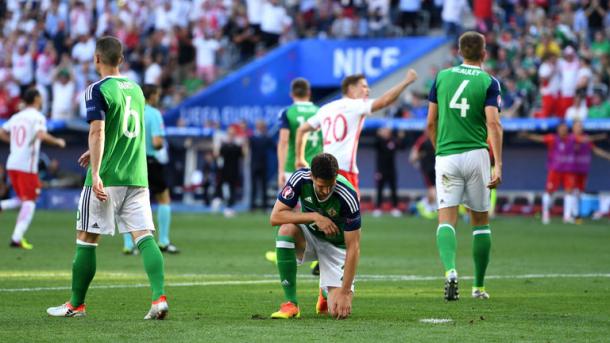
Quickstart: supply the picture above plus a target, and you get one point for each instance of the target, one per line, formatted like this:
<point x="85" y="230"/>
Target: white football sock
<point x="568" y="203"/>
<point x="576" y="204"/>
<point x="24" y="219"/>
<point x="546" y="203"/>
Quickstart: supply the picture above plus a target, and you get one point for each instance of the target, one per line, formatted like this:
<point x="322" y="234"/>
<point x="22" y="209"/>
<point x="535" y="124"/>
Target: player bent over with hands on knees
<point x="463" y="112"/>
<point x="327" y="229"/>
<point x="116" y="187"/>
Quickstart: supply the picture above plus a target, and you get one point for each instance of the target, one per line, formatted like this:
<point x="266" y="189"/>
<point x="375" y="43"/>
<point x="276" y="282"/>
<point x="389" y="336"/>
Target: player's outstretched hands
<point x="98" y="188"/>
<point x="61" y="143"/>
<point x="327" y="226"/>
<point x="301" y="163"/>
<point x="342" y="307"/>
<point x="496" y="179"/>
<point x="83" y="160"/>
<point x="411" y="76"/>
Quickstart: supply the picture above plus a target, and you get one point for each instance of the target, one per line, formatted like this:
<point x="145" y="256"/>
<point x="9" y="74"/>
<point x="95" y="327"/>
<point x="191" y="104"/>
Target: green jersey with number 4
<point x="291" y="118"/>
<point x="119" y="102"/>
<point x="341" y="206"/>
<point x="462" y="93"/>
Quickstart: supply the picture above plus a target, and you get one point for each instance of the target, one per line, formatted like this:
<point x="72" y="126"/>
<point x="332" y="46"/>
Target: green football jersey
<point x="291" y="118"/>
<point x="462" y="93"/>
<point x="119" y="102"/>
<point x="341" y="206"/>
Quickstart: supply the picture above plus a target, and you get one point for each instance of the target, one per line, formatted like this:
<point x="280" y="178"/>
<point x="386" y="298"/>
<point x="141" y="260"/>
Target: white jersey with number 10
<point x="25" y="146"/>
<point x="341" y="122"/>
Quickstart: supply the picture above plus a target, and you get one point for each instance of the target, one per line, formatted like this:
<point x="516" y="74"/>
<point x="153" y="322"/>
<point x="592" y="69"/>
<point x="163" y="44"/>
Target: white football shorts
<point x="463" y="179"/>
<point x="128" y="207"/>
<point x="330" y="257"/>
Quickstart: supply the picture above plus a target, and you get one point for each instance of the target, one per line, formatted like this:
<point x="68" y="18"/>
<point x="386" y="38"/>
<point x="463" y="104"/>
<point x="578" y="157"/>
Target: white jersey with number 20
<point x="341" y="122"/>
<point x="25" y="146"/>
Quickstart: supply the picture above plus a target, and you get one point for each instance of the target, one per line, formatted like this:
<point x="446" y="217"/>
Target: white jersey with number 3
<point x="341" y="122"/>
<point x="25" y="146"/>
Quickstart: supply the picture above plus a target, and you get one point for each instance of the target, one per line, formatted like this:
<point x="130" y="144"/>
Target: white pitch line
<point x="308" y="279"/>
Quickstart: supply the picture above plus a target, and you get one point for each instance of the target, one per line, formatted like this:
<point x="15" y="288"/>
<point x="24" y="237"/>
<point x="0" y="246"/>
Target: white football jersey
<point x="341" y="122"/>
<point x="25" y="146"/>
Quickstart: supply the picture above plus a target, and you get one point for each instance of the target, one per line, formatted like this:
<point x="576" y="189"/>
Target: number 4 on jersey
<point x="463" y="106"/>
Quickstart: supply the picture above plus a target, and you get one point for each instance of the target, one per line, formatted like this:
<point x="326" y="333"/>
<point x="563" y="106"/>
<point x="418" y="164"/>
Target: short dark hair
<point x="472" y="45"/>
<point x="300" y="88"/>
<point x="149" y="90"/>
<point x="110" y="50"/>
<point x="30" y="95"/>
<point x="350" y="81"/>
<point x="324" y="166"/>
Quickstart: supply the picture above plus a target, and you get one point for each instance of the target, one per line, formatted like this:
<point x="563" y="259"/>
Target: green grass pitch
<point x="547" y="284"/>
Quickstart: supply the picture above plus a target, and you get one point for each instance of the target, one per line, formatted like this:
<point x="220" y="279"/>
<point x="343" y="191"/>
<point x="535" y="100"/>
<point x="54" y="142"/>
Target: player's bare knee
<point x="448" y="215"/>
<point x="87" y="237"/>
<point x="290" y="230"/>
<point x="137" y="234"/>
<point x="479" y="218"/>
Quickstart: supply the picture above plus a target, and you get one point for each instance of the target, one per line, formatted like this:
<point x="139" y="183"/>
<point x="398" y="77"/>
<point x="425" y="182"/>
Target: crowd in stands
<point x="552" y="57"/>
<point x="181" y="45"/>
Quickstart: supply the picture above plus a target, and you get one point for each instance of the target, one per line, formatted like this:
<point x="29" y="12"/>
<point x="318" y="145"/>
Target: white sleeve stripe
<point x="498" y="82"/>
<point x="300" y="178"/>
<point x="345" y="198"/>
<point x="88" y="94"/>
<point x="349" y="199"/>
<point x="348" y="194"/>
<point x="296" y="177"/>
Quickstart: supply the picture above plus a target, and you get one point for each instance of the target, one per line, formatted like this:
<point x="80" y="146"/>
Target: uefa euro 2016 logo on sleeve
<point x="287" y="193"/>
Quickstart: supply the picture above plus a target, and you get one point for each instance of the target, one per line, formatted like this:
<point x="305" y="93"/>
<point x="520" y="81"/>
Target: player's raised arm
<point x="391" y="95"/>
<point x="48" y="138"/>
<point x="598" y="137"/>
<point x="601" y="152"/>
<point x="532" y="137"/>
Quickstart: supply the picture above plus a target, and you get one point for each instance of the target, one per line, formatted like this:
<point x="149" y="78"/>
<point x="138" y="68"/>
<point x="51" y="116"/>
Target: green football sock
<point x="481" y="245"/>
<point x="153" y="264"/>
<point x="287" y="266"/>
<point x="83" y="271"/>
<point x="446" y="244"/>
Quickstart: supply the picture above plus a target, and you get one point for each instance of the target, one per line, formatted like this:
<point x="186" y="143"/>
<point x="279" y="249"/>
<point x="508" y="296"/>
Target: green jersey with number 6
<point x="462" y="93"/>
<point x="119" y="102"/>
<point x="341" y="206"/>
<point x="291" y="118"/>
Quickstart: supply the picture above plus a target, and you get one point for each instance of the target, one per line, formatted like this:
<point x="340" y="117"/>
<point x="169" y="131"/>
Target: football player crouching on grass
<point x="327" y="229"/>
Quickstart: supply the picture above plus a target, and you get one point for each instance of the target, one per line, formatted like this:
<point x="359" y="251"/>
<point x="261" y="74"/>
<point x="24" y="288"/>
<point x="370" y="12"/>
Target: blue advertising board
<point x="260" y="89"/>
